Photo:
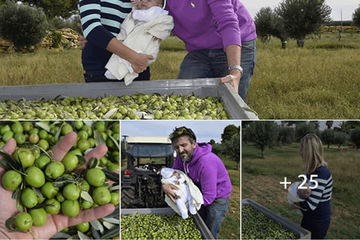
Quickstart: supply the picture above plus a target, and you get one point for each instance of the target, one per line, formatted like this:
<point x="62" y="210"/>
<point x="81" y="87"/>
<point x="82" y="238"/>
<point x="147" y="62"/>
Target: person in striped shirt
<point x="316" y="208"/>
<point x="101" y="22"/>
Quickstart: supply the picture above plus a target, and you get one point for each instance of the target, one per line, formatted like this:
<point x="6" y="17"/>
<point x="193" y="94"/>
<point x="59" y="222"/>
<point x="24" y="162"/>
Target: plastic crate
<point x="204" y="230"/>
<point x="234" y="105"/>
<point x="299" y="232"/>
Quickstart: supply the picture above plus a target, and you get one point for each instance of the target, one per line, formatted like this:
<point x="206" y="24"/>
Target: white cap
<point x="166" y="172"/>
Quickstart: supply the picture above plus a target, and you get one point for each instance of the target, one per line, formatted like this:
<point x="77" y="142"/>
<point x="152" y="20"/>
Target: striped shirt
<point x="318" y="203"/>
<point x="101" y="21"/>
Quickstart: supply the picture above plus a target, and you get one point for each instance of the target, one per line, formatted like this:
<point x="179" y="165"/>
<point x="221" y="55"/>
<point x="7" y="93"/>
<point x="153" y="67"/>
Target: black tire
<point x="127" y="197"/>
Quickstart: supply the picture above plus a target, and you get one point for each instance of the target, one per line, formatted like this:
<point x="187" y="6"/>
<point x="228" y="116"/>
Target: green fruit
<point x="54" y="169"/>
<point x="25" y="156"/>
<point x="84" y="185"/>
<point x="44" y="144"/>
<point x="83" y="135"/>
<point x="76" y="151"/>
<point x="71" y="191"/>
<point x="54" y="208"/>
<point x="4" y="129"/>
<point x="20" y="138"/>
<point x="27" y="126"/>
<point x="29" y="198"/>
<point x="86" y="204"/>
<point x="78" y="124"/>
<point x="70" y="161"/>
<point x="34" y="138"/>
<point x="34" y="177"/>
<point x="42" y="161"/>
<point x="115" y="198"/>
<point x="100" y="126"/>
<point x="101" y="195"/>
<point x="95" y="177"/>
<point x="11" y="180"/>
<point x="70" y="208"/>
<point x="16" y="127"/>
<point x="43" y="134"/>
<point x="83" y="227"/>
<point x="60" y="197"/>
<point x="39" y="216"/>
<point x="66" y="129"/>
<point x="7" y="135"/>
<point x="49" y="190"/>
<point x="23" y="221"/>
<point x="83" y="144"/>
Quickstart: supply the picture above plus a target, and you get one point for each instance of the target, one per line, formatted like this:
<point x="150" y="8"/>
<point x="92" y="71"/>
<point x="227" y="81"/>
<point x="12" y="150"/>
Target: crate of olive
<point x="161" y="223"/>
<point x="42" y="185"/>
<point x="164" y="99"/>
<point x="259" y="222"/>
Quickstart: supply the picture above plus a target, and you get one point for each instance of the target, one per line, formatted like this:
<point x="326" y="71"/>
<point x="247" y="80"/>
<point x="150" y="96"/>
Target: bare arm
<point x="233" y="55"/>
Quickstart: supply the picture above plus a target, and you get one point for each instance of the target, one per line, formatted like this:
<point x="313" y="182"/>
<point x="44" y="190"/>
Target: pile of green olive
<point x="42" y="185"/>
<point x="256" y="225"/>
<point x="141" y="106"/>
<point x="158" y="226"/>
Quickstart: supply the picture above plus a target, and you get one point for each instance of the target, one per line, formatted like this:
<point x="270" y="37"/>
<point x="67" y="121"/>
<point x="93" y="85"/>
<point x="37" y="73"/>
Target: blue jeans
<point x="214" y="214"/>
<point x="212" y="63"/>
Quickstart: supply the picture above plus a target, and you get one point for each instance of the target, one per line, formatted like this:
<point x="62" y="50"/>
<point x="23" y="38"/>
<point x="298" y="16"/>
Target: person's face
<point x="184" y="148"/>
<point x="176" y="174"/>
<point x="145" y="4"/>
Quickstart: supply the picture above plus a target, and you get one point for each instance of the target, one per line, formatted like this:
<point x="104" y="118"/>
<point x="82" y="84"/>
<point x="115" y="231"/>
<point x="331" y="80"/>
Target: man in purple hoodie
<point x="207" y="171"/>
<point x="220" y="38"/>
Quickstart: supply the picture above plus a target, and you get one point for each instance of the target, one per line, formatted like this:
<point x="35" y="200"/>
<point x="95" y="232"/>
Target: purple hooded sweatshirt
<point x="211" y="24"/>
<point x="208" y="172"/>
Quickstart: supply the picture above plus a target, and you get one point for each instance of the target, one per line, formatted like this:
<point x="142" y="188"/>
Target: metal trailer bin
<point x="204" y="230"/>
<point x="299" y="232"/>
<point x="234" y="105"/>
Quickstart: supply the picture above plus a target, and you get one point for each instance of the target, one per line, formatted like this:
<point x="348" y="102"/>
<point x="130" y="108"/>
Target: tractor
<point x="141" y="179"/>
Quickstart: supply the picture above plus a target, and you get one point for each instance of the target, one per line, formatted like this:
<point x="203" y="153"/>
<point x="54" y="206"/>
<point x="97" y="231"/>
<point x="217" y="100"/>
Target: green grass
<point x="319" y="81"/>
<point x="261" y="182"/>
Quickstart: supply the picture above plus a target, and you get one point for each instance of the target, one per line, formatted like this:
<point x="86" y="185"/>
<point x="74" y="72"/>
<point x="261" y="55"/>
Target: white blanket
<point x="140" y="33"/>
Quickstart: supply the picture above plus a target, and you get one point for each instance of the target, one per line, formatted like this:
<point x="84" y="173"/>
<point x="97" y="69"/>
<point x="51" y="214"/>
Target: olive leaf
<point x="110" y="113"/>
<point x="10" y="224"/>
<point x="95" y="233"/>
<point x="82" y="236"/>
<point x="42" y="205"/>
<point x="57" y="135"/>
<point x="19" y="206"/>
<point x="61" y="235"/>
<point x="99" y="139"/>
<point x="112" y="233"/>
<point x="108" y="225"/>
<point x="37" y="192"/>
<point x="111" y="220"/>
<point x="115" y="142"/>
<point x="43" y="125"/>
<point x="112" y="175"/>
<point x="86" y="196"/>
<point x="97" y="225"/>
<point x="93" y="162"/>
<point x="88" y="150"/>
<point x="81" y="159"/>
<point x="114" y="188"/>
<point x="8" y="162"/>
<point x="16" y="194"/>
<point x="88" y="123"/>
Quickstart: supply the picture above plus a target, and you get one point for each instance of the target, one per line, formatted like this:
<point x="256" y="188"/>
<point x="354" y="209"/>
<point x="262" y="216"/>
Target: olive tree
<point x="356" y="17"/>
<point x="263" y="134"/>
<point x="53" y="8"/>
<point x="340" y="138"/>
<point x="355" y="137"/>
<point x="327" y="136"/>
<point x="22" y="24"/>
<point x="302" y="17"/>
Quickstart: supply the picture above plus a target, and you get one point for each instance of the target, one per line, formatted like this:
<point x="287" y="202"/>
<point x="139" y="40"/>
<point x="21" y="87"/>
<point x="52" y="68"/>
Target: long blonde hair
<point x="311" y="151"/>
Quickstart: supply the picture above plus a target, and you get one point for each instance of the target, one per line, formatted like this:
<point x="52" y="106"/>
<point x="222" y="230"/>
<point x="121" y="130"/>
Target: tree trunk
<point x="262" y="152"/>
<point x="283" y="44"/>
<point x="300" y="42"/>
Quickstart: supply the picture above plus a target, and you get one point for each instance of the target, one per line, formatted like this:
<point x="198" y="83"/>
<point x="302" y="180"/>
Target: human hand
<point x="168" y="190"/>
<point x="54" y="223"/>
<point x="82" y="39"/>
<point x="233" y="78"/>
<point x="140" y="62"/>
<point x="136" y="3"/>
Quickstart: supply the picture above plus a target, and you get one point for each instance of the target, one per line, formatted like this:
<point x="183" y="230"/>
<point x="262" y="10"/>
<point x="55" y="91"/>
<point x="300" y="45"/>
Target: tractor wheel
<point x="127" y="197"/>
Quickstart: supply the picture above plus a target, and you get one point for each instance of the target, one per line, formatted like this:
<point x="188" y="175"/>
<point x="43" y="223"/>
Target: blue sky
<point x="346" y="6"/>
<point x="204" y="130"/>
